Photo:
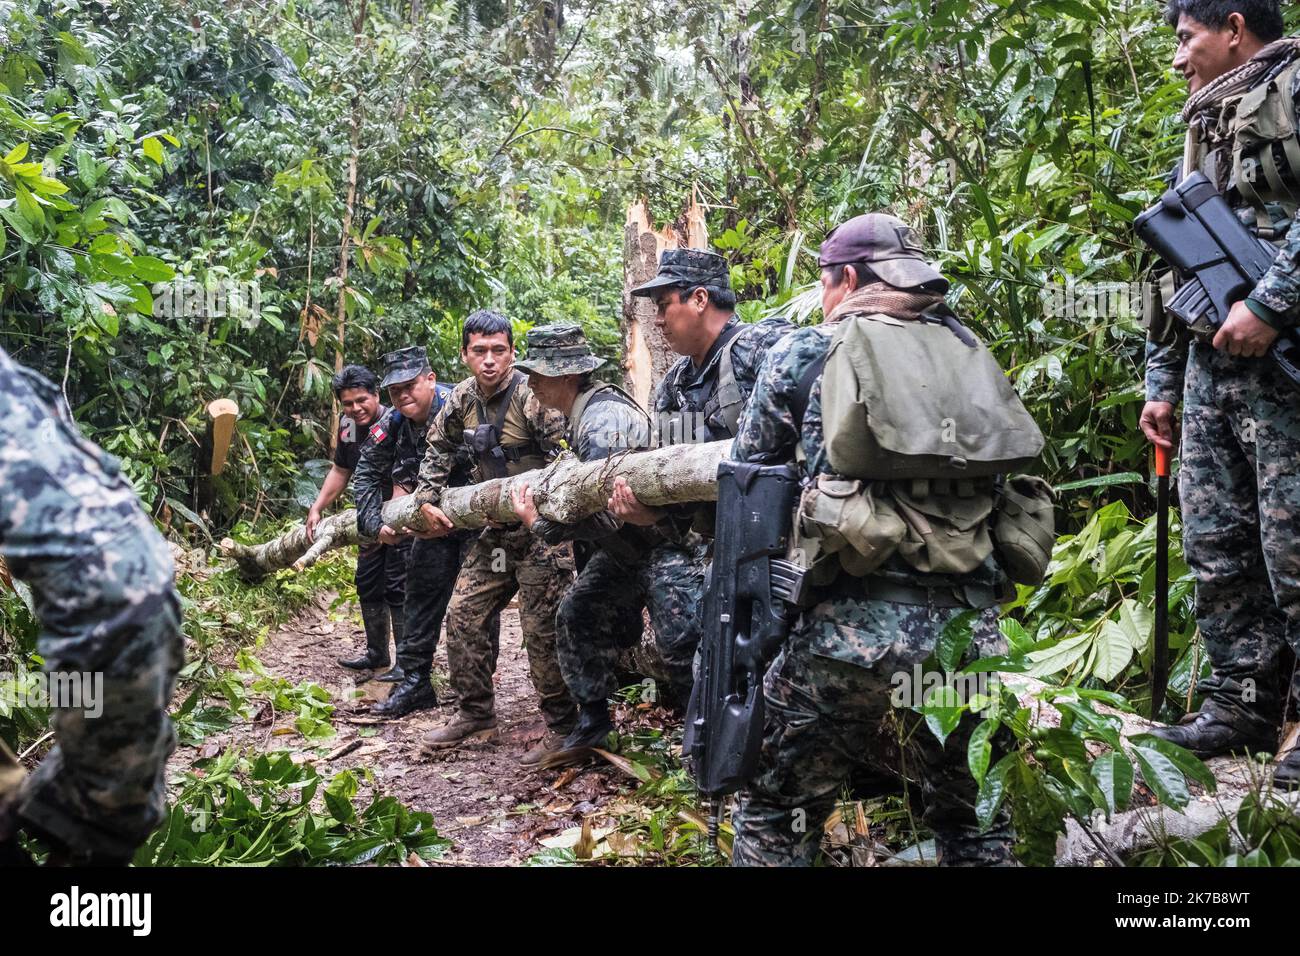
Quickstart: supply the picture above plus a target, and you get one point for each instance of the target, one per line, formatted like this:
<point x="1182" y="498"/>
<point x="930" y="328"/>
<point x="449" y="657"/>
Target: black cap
<point x="686" y="269"/>
<point x="404" y="365"/>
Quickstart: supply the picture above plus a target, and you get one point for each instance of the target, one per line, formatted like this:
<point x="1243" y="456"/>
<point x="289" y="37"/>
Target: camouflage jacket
<point x="545" y="427"/>
<point x="609" y="423"/>
<point x="770" y="430"/>
<point x="391" y="455"/>
<point x="1275" y="299"/>
<point x="687" y="389"/>
<point x="682" y="409"/>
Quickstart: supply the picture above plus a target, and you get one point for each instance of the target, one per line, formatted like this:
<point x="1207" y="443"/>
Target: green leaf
<point x="339" y="794"/>
<point x="17" y="154"/>
<point x="1137" y="622"/>
<point x="942" y="709"/>
<point x="1103" y="481"/>
<point x="28" y="207"/>
<point x="992" y="791"/>
<point x="153" y="149"/>
<point x="1058" y="657"/>
<point x="980" y="749"/>
<point x="1019" y="640"/>
<point x="1162" y="776"/>
<point x="152" y="269"/>
<point x="1187" y="762"/>
<point x="1114" y="650"/>
<point x="954" y="639"/>
<point x="1114" y="775"/>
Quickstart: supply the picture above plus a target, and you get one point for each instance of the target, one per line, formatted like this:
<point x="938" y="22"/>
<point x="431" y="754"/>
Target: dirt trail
<point x="495" y="811"/>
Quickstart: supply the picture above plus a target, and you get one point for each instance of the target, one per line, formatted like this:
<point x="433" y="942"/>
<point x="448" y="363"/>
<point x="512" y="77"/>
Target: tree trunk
<point x="567" y="490"/>
<point x="646" y="353"/>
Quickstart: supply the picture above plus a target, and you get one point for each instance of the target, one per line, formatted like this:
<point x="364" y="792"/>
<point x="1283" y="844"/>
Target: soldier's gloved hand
<point x="1159" y="424"/>
<point x="1244" y="333"/>
<point x="437" y="524"/>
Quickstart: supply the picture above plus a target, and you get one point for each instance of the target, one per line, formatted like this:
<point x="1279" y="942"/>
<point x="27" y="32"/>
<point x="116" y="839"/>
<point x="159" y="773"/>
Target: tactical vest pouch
<point x="912" y="400"/>
<point x="1265" y="151"/>
<point x="844" y="518"/>
<point x="947" y="524"/>
<point x="1024" y="529"/>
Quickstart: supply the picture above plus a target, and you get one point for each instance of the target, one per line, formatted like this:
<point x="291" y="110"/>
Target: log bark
<point x="567" y="490"/>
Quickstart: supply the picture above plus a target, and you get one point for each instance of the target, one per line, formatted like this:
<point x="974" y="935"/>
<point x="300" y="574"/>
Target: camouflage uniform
<point x="102" y="579"/>
<point x="830" y="686"/>
<point x="628" y="569"/>
<point x="1237" y="480"/>
<point x="696" y="404"/>
<point x="501" y="562"/>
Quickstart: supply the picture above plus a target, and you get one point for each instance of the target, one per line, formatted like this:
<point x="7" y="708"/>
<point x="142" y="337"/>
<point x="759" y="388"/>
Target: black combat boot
<point x="593" y="726"/>
<point x="1226" y="723"/>
<point x="412" y="694"/>
<point x="399" y="635"/>
<point x="375" y="619"/>
<point x="1287" y="774"/>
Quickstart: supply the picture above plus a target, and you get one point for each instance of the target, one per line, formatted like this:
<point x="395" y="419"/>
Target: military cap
<point x="404" y="365"/>
<point x="555" y="350"/>
<point x="686" y="269"/>
<point x="888" y="245"/>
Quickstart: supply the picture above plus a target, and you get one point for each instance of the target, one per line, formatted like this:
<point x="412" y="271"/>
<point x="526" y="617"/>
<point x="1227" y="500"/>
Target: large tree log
<point x="567" y="490"/>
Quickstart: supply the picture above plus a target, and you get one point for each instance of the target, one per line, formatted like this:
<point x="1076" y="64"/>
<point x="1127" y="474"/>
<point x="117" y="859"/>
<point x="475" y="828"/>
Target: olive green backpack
<point x="922" y="416"/>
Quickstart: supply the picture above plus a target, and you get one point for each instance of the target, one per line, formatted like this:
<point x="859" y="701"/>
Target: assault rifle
<point x="1193" y="229"/>
<point x="747" y="610"/>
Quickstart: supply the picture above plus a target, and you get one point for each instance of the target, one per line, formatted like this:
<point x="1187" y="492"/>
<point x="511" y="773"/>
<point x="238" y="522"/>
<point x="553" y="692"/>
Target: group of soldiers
<point x="582" y="588"/>
<point x="101" y="575"/>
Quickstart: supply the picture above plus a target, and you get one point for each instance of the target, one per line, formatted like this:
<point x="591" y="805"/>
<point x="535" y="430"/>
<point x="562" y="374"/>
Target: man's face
<point x="681" y="322"/>
<point x="1204" y="53"/>
<point x="553" y="391"/>
<point x="489" y="358"/>
<point x="414" y="398"/>
<point x="833" y="295"/>
<point x="360" y="405"/>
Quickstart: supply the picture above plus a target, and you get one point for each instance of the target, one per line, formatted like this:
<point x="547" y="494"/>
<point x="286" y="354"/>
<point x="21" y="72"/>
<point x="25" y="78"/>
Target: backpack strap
<point x="803" y="392"/>
<point x="730" y="401"/>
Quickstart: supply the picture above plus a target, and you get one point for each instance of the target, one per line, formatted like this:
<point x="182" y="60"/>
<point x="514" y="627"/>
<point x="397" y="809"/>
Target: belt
<point x="881" y="589"/>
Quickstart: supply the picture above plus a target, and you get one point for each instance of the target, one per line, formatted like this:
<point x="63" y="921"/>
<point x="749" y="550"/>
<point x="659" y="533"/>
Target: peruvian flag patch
<point x="377" y="432"/>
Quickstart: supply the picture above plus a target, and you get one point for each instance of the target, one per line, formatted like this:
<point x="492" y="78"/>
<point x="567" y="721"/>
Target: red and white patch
<point x="377" y="432"/>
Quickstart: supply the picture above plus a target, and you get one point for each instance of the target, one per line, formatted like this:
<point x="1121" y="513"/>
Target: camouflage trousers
<point x="500" y="563"/>
<point x="1240" y="488"/>
<point x="102" y="583"/>
<point x="828" y="696"/>
<point x="602" y="614"/>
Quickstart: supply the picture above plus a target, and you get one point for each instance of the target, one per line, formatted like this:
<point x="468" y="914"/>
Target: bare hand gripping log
<point x="567" y="490"/>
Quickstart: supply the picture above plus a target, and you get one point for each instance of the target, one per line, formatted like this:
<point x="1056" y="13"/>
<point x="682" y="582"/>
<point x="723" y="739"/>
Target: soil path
<point x="494" y="811"/>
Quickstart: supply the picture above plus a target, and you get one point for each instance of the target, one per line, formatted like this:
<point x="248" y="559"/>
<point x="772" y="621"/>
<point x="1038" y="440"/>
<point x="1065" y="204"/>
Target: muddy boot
<point x="1222" y="726"/>
<point x="550" y="743"/>
<point x="375" y="619"/>
<point x="399" y="634"/>
<point x="594" y="725"/>
<point x="460" y="730"/>
<point x="412" y="694"/>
